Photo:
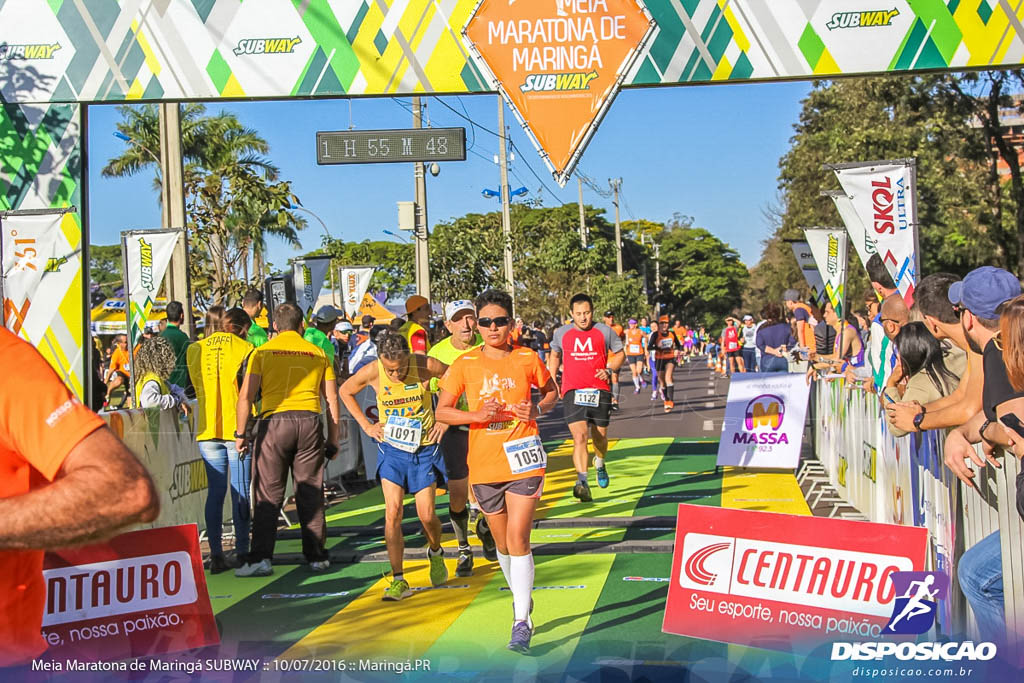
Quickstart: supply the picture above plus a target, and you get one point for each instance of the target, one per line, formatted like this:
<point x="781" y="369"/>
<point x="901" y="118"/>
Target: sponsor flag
<point x="805" y="261"/>
<point x="142" y="593"/>
<point x="308" y="275"/>
<point x="42" y="287"/>
<point x="764" y="421"/>
<point x="828" y="247"/>
<point x="355" y="280"/>
<point x="785" y="582"/>
<point x="883" y="196"/>
<point x="863" y="243"/>
<point x="146" y="254"/>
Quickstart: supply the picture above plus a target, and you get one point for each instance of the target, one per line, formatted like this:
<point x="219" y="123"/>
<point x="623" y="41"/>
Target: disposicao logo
<point x="917" y="593"/>
<point x="267" y="46"/>
<point x="866" y="19"/>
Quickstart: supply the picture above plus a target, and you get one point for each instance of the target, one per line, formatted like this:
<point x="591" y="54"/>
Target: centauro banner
<point x="146" y="255"/>
<point x="42" y="285"/>
<point x="308" y="275"/>
<point x="828" y="247"/>
<point x="883" y="196"/>
<point x="559" y="64"/>
<point x="805" y="261"/>
<point x="355" y="280"/>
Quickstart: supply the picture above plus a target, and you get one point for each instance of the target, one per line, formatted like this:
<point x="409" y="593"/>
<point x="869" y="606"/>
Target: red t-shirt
<point x="584" y="352"/>
<point x="731" y="339"/>
<point x="40" y="423"/>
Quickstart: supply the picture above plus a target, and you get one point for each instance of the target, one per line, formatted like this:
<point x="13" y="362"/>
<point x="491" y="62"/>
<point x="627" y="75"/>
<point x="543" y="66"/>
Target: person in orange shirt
<point x="609" y="320"/>
<point x="67" y="480"/>
<point x="636" y="353"/>
<point x="117" y="373"/>
<point x="506" y="457"/>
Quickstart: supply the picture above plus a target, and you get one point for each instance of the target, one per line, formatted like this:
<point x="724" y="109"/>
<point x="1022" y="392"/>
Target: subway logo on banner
<point x="827" y="578"/>
<point x="28" y="51"/>
<point x="558" y="82"/>
<point x="105" y="589"/>
<point x="862" y="19"/>
<point x="267" y="46"/>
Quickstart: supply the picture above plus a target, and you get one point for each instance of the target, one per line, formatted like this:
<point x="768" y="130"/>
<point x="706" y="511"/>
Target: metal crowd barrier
<point x="902" y="480"/>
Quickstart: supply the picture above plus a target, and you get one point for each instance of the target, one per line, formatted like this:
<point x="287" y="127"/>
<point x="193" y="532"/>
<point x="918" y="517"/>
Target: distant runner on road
<point x="665" y="344"/>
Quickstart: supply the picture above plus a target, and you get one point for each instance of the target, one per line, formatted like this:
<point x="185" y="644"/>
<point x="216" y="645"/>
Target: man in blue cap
<point x="979" y="300"/>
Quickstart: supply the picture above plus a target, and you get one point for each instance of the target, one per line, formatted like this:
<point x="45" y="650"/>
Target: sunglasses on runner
<point x="500" y="321"/>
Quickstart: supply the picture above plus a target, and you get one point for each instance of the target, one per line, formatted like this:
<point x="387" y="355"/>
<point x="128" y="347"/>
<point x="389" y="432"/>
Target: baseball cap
<point x="367" y="320"/>
<point x="453" y="307"/>
<point x="415" y="301"/>
<point x="343" y="326"/>
<point x="791" y="295"/>
<point x="983" y="290"/>
<point x="327" y="314"/>
<point x="632" y="321"/>
<point x="748" y="317"/>
<point x="663" y="319"/>
<point x="609" y="314"/>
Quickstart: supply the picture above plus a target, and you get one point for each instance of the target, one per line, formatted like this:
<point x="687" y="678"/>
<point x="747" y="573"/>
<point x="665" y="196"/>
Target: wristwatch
<point x="918" y="419"/>
<point x="984" y="426"/>
<point x="240" y="436"/>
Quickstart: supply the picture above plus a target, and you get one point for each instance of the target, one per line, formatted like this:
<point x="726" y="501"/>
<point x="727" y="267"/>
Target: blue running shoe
<point x="520" y="640"/>
<point x="602" y="477"/>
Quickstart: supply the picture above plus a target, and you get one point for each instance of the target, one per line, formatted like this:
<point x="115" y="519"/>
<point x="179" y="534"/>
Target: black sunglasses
<point x="500" y="321"/>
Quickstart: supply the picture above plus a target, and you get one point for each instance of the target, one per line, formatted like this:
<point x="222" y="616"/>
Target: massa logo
<point x="267" y="46"/>
<point x="767" y="410"/>
<point x="694" y="565"/>
<point x="28" y="51"/>
<point x="862" y="19"/>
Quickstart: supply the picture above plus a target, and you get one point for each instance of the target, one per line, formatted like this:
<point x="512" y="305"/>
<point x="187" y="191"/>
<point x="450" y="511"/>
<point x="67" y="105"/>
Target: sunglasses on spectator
<point x="500" y="321"/>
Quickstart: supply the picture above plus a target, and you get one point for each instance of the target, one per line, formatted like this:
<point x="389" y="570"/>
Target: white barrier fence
<point x="904" y="481"/>
<point x="166" y="445"/>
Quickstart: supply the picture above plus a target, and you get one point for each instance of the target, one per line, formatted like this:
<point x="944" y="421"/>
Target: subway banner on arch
<point x="828" y="247"/>
<point x="764" y="420"/>
<point x="147" y="254"/>
<point x="785" y="582"/>
<point x="42" y="287"/>
<point x="883" y="195"/>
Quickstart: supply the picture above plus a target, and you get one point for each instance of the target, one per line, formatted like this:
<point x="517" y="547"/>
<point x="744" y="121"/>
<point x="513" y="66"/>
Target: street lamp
<point x="121" y="136"/>
<point x="395" y="234"/>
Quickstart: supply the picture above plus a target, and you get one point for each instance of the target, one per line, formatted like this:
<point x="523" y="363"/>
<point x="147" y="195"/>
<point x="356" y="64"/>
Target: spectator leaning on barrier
<point x="294" y="377"/>
<point x="252" y="304"/>
<point x="67" y="481"/>
<point x="980" y="299"/>
<point x="774" y="337"/>
<point x="931" y="300"/>
<point x="932" y="369"/>
<point x="803" y="316"/>
<point x="216" y="366"/>
<point x="154" y="365"/>
<point x="881" y="352"/>
<point x="1011" y="333"/>
<point x="179" y="342"/>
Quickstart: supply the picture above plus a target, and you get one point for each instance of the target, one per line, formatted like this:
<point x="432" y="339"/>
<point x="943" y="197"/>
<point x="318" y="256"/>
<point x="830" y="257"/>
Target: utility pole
<point x="506" y="216"/>
<point x="583" y="217"/>
<point x="616" y="184"/>
<point x="422" y="254"/>
<point x="657" y="269"/>
<point x="172" y="199"/>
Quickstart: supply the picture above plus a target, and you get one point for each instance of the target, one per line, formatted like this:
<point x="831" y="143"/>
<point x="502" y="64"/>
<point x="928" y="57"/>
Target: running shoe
<point x="654" y="395"/>
<point x="320" y="566"/>
<point x="218" y="564"/>
<point x="602" y="477"/>
<point x="397" y="590"/>
<point x="464" y="567"/>
<point x="520" y="640"/>
<point x="438" y="570"/>
<point x="615" y="404"/>
<point x="669" y="405"/>
<point x="636" y="390"/>
<point x="483" y="532"/>
<point x="261" y="568"/>
<point x="582" y="491"/>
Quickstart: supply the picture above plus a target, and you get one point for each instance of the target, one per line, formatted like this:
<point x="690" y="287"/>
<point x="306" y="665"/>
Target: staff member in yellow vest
<point x="409" y="457"/>
<point x="216" y="366"/>
<point x="294" y="377"/>
<point x="154" y="364"/>
<point x="417" y="311"/>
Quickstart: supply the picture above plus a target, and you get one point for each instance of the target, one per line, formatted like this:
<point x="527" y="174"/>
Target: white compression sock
<point x="636" y="381"/>
<point x="521" y="585"/>
<point x="598" y="462"/>
<point x="504" y="561"/>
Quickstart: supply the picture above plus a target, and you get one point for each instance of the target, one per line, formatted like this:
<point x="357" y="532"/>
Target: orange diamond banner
<point x="559" y="64"/>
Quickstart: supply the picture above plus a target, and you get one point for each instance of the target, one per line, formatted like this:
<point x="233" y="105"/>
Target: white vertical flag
<point x="355" y="280"/>
<point x="863" y="243"/>
<point x="308" y="275"/>
<point x="883" y="197"/>
<point x="828" y="246"/>
<point x="146" y="254"/>
<point x="805" y="261"/>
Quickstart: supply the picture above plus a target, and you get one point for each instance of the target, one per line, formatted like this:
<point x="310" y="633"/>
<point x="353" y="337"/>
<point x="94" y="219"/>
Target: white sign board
<point x="764" y="421"/>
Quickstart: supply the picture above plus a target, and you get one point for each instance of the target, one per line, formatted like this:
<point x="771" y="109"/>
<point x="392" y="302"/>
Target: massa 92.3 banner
<point x="764" y="420"/>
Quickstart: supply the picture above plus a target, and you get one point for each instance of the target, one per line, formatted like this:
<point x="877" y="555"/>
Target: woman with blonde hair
<point x="154" y="363"/>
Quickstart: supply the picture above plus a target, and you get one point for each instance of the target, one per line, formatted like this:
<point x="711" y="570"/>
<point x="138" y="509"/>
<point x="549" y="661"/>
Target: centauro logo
<point x="28" y="51"/>
<point x="564" y="82"/>
<point x="267" y="46"/>
<point x="882" y="17"/>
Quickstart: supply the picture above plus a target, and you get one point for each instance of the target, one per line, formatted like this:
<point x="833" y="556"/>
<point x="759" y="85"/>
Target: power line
<point x="466" y="116"/>
<point x="530" y="169"/>
<point x="589" y="182"/>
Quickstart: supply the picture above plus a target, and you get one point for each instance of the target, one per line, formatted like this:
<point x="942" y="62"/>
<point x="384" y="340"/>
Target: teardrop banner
<point x="559" y="64"/>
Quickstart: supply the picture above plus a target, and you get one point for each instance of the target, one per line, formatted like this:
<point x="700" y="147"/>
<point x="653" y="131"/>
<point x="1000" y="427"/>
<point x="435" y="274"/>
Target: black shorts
<point x="491" y="497"/>
<point x="455" y="446"/>
<point x="633" y="360"/>
<point x="733" y="354"/>
<point x="660" y="364"/>
<point x="597" y="416"/>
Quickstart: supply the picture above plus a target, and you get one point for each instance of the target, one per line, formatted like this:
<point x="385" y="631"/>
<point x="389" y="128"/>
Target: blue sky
<point x="710" y="152"/>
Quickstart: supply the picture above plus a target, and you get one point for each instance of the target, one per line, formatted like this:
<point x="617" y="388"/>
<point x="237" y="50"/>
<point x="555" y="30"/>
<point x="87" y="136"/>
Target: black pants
<point x="292" y="440"/>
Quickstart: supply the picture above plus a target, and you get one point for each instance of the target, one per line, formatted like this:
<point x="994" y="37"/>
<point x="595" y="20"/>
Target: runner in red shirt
<point x="590" y="354"/>
<point x="731" y="345"/>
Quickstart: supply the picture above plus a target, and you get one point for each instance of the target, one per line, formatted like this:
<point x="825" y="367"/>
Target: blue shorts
<point x="412" y="471"/>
